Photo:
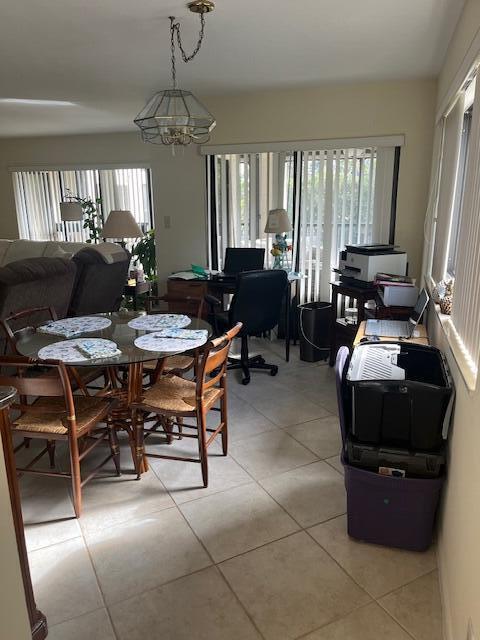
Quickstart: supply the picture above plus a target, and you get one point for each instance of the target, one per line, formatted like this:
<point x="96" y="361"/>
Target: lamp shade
<point x="278" y="222"/>
<point x="71" y="211"/>
<point x="121" y="224"/>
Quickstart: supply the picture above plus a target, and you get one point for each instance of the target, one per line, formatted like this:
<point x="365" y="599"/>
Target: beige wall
<point x="14" y="623"/>
<point x="344" y="111"/>
<point x="178" y="182"/>
<point x="459" y="551"/>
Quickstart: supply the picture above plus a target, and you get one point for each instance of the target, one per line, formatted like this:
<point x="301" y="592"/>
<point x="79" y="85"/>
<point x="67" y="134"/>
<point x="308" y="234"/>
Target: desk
<point x="422" y="337"/>
<point x="218" y="288"/>
<point x="342" y="333"/>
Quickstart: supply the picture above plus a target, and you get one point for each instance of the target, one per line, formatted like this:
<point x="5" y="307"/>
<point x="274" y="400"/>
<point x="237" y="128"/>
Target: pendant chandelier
<point x="174" y="116"/>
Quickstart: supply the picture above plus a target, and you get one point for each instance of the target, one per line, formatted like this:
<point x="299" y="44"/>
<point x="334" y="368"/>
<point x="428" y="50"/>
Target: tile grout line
<point x="395" y="620"/>
<point x="219" y="572"/>
<point x="374" y="598"/>
<point x="335" y="620"/>
<point x="407" y="584"/>
<point x="100" y="588"/>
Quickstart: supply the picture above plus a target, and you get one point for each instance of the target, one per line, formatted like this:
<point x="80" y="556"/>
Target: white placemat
<point x="71" y="327"/>
<point x="157" y="321"/>
<point x="157" y="342"/>
<point x="79" y="350"/>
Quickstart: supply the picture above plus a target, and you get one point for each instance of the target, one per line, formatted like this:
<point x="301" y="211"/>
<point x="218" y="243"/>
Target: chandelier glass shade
<point x="174" y="116"/>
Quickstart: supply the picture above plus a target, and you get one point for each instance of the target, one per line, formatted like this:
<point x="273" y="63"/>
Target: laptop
<point x="241" y="259"/>
<point x="399" y="328"/>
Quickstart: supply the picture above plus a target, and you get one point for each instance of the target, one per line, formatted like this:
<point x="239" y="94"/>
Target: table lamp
<point x="71" y="211"/>
<point x="279" y="223"/>
<point x="121" y="224"/>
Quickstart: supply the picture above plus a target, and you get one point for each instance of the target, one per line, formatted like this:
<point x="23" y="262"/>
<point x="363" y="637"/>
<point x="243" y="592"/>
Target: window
<point x="246" y="187"/>
<point x="459" y="191"/>
<point x="38" y="195"/>
<point x="337" y="208"/>
<point x="333" y="197"/>
<point x="457" y="227"/>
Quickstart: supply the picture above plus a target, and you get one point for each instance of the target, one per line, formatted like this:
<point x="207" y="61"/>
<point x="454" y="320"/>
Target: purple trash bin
<point x="386" y="510"/>
<point x="395" y="512"/>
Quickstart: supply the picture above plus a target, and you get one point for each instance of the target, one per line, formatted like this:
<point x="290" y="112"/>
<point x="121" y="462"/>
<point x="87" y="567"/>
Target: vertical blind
<point x="452" y="128"/>
<point x="247" y="186"/>
<point x="38" y="194"/>
<point x="466" y="299"/>
<point x="333" y="197"/>
<point x="337" y="208"/>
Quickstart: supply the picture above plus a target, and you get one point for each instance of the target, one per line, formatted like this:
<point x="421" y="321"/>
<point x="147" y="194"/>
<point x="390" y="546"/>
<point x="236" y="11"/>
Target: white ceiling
<point x="109" y="56"/>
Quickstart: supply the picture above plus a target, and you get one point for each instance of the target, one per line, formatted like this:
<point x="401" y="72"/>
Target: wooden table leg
<point x="135" y="388"/>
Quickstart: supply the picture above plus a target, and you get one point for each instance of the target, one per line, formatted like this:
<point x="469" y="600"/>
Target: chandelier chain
<point x="175" y="31"/>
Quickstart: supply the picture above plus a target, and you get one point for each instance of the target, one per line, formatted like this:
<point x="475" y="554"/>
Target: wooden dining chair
<point x="47" y="409"/>
<point x="23" y="324"/>
<point x="173" y="398"/>
<point x="192" y="306"/>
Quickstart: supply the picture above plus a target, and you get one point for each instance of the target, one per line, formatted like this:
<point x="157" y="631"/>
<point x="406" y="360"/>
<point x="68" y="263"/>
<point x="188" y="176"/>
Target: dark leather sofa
<point x="37" y="282"/>
<point x="98" y="285"/>
<point x="87" y="283"/>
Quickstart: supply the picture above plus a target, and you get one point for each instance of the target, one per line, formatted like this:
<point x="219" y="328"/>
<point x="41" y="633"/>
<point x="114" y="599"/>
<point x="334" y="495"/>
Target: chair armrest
<point x="213" y="301"/>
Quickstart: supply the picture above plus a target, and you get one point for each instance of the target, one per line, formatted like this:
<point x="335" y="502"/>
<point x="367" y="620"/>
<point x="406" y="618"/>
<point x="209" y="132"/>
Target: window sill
<point x="465" y="364"/>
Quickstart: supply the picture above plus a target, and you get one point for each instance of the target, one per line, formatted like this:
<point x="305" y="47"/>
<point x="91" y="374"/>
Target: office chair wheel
<point x="246" y="381"/>
<point x="273" y="371"/>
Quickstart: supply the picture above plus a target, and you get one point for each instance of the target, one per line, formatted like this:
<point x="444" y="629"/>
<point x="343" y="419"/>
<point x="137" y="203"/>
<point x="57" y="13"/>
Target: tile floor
<point x="261" y="553"/>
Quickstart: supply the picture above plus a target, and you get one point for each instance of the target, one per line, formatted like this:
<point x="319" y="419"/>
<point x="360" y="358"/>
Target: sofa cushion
<point x="4" y="246"/>
<point x="20" y="249"/>
<point x="53" y="249"/>
<point x="36" y="282"/>
<point x="109" y="252"/>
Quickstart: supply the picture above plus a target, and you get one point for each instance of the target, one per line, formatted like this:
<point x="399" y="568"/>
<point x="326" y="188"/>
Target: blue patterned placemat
<point x="71" y="327"/>
<point x="79" y="350"/>
<point x="157" y="321"/>
<point x="158" y="342"/>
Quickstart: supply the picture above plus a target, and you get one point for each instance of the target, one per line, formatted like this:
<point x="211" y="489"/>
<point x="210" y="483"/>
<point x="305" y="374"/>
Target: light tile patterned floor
<point x="261" y="553"/>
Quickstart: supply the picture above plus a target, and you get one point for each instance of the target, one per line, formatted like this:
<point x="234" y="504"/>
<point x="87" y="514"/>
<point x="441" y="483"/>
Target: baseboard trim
<point x="444" y="595"/>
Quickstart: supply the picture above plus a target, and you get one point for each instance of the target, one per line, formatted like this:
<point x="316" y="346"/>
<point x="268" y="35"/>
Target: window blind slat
<point x="452" y="138"/>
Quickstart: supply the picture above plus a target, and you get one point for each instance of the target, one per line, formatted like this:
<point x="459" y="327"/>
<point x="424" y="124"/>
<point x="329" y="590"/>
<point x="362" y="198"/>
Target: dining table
<point x="124" y="370"/>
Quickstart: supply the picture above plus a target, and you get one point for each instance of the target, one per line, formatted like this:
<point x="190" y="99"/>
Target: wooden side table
<point x="133" y="291"/>
<point x="341" y="332"/>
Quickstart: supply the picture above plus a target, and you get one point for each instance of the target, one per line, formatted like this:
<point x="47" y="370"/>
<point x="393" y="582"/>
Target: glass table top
<point x="119" y="332"/>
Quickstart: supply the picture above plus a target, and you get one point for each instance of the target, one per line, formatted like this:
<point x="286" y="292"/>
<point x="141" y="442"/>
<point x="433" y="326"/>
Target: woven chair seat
<point x="49" y="415"/>
<point x="172" y="393"/>
<point x="172" y="363"/>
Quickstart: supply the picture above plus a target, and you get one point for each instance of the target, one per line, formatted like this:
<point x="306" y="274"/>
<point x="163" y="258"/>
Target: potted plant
<point x="144" y="252"/>
<point x="91" y="219"/>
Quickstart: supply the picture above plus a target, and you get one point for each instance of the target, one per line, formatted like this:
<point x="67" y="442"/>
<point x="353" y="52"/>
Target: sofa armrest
<point x="108" y="251"/>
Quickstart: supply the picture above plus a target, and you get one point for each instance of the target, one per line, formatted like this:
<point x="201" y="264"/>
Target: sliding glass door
<point x="246" y="187"/>
<point x="333" y="197"/>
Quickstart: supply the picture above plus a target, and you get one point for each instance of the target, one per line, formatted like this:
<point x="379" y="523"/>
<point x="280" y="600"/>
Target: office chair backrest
<point x="258" y="300"/>
<point x="239" y="259"/>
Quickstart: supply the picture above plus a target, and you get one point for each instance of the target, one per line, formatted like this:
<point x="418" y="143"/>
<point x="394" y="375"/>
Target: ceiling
<point x="108" y="56"/>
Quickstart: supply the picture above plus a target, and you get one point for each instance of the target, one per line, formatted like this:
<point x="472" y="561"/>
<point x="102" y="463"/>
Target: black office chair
<point x="256" y="304"/>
